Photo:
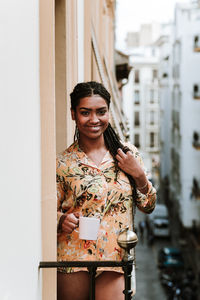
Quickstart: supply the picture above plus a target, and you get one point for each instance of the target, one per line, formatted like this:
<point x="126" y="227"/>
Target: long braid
<point x="87" y="89"/>
<point x="113" y="143"/>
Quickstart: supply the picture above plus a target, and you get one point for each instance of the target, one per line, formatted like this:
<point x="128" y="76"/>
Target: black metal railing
<point x="92" y="266"/>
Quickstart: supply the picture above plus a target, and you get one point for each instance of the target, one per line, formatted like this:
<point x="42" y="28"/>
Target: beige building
<point x="47" y="46"/>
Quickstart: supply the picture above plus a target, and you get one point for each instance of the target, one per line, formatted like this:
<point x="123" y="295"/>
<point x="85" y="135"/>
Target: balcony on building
<point x="137" y="140"/>
<point x="137" y="77"/>
<point x="154" y="77"/>
<point x="195" y="192"/>
<point x="175" y="119"/>
<point x="137" y="97"/>
<point x="122" y="67"/>
<point x="137" y="119"/>
<point x="196" y="140"/>
<point x="196" y="91"/>
<point x="197" y="43"/>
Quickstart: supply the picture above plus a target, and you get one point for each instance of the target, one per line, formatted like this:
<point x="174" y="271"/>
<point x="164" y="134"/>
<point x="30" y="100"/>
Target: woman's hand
<point x="129" y="164"/>
<point x="70" y="222"/>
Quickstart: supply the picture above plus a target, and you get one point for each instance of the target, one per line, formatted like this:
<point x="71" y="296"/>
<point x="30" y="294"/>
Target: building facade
<point x="185" y="112"/>
<point x="46" y="48"/>
<point x="141" y="103"/>
<point x="180" y="128"/>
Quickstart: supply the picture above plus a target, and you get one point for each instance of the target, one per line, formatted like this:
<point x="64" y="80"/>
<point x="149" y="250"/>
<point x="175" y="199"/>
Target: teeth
<point x="94" y="127"/>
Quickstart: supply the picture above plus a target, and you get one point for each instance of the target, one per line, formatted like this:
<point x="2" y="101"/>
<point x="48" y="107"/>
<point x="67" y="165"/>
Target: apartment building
<point x="180" y="128"/>
<point x="141" y="103"/>
<point x="185" y="113"/>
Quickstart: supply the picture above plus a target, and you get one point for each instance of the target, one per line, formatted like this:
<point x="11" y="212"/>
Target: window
<point x="137" y="97"/>
<point x="137" y="76"/>
<point x="137" y="118"/>
<point x="165" y="75"/>
<point x="196" y="140"/>
<point x="197" y="43"/>
<point x="154" y="74"/>
<point x="152" y="139"/>
<point x="151" y="96"/>
<point x="137" y="140"/>
<point x="196" y="91"/>
<point x="176" y="71"/>
<point x="152" y="117"/>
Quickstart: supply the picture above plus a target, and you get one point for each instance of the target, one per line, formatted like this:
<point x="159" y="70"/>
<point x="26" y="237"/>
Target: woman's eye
<point x="84" y="113"/>
<point x="102" y="112"/>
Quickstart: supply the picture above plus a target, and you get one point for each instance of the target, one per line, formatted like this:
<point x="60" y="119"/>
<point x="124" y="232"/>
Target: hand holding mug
<point x="70" y="222"/>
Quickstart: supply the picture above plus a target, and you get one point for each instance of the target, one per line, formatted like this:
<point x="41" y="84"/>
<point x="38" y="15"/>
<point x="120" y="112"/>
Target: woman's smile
<point x="95" y="128"/>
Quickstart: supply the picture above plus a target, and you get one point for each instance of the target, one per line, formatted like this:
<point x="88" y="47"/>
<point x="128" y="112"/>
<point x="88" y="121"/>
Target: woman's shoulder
<point x="68" y="153"/>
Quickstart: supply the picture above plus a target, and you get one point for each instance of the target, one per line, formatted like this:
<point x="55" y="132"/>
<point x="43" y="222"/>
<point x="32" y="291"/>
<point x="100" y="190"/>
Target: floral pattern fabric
<point x="94" y="191"/>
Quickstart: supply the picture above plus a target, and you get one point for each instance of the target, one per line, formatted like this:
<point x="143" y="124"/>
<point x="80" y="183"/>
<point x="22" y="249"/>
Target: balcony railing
<point x="92" y="267"/>
<point x="127" y="240"/>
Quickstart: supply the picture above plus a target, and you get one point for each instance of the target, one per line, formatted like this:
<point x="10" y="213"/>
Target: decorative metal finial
<point x="127" y="240"/>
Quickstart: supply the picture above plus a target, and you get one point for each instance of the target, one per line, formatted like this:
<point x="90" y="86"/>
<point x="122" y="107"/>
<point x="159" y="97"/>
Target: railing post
<point x="92" y="273"/>
<point x="127" y="240"/>
<point x="127" y="279"/>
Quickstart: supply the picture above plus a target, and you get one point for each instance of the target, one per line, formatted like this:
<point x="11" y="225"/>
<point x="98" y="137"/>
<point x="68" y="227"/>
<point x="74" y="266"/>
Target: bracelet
<point x="142" y="187"/>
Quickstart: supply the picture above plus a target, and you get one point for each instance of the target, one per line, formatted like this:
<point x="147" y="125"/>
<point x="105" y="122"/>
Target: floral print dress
<point x="94" y="191"/>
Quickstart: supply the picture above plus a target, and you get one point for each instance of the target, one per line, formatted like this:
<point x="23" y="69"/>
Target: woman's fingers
<point x="121" y="153"/>
<point x="73" y="218"/>
<point x="123" y="157"/>
<point x="69" y="227"/>
<point x="71" y="222"/>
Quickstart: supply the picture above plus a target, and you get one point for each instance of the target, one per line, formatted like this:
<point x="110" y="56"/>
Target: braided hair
<point x="112" y="141"/>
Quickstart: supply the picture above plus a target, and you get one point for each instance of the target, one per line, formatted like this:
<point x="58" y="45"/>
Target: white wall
<point x="20" y="151"/>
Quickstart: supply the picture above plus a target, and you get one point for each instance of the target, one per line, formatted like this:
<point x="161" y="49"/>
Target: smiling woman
<point x="98" y="176"/>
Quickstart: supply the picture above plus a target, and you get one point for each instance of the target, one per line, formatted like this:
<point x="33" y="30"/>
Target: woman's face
<point x="91" y="116"/>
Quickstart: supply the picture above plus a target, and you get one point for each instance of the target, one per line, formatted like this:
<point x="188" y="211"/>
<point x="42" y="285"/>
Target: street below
<point x="148" y="286"/>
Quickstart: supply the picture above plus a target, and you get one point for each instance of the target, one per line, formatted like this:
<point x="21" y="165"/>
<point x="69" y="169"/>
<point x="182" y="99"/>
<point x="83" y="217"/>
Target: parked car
<point x="170" y="257"/>
<point x="158" y="222"/>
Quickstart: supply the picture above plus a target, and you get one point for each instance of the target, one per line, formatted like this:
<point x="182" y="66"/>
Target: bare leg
<point x="110" y="286"/>
<point x="73" y="286"/>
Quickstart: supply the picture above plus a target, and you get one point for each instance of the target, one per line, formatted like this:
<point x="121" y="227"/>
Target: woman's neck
<point x="88" y="145"/>
<point x="94" y="149"/>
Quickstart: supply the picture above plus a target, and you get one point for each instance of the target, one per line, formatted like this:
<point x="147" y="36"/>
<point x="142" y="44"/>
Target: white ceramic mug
<point x="88" y="228"/>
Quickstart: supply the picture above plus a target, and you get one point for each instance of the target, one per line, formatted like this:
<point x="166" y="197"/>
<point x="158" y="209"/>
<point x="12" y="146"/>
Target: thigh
<point x="73" y="286"/>
<point x="110" y="286"/>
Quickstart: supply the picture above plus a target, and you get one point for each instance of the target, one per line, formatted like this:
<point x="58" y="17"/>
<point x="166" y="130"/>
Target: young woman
<point x="99" y="176"/>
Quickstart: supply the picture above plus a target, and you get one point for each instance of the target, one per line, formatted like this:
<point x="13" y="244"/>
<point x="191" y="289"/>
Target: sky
<point x="130" y="14"/>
